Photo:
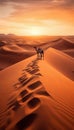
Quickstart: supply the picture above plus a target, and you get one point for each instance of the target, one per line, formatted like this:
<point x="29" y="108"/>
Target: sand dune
<point x="2" y="43"/>
<point x="69" y="52"/>
<point x="26" y="46"/>
<point x="14" y="50"/>
<point x="11" y="54"/>
<point x="61" y="62"/>
<point x="70" y="38"/>
<point x="62" y="44"/>
<point x="38" y="94"/>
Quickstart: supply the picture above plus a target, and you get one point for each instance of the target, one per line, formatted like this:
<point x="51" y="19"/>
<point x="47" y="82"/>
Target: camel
<point x="40" y="52"/>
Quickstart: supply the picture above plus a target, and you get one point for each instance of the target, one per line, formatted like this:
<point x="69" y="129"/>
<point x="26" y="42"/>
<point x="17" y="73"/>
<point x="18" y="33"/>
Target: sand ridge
<point x="13" y="52"/>
<point x="38" y="94"/>
<point x="31" y="106"/>
<point x="59" y="60"/>
<point x="26" y="94"/>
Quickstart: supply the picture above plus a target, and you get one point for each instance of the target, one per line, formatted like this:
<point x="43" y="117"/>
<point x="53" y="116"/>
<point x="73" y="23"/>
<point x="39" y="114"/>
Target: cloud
<point x="64" y="3"/>
<point x="22" y="13"/>
<point x="15" y="7"/>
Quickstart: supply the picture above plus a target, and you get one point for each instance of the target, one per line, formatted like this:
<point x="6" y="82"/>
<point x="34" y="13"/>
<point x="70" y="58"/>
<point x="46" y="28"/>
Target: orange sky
<point x="37" y="17"/>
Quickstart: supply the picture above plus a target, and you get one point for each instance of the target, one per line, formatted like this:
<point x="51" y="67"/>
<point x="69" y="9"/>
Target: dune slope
<point x="36" y="96"/>
<point x="11" y="54"/>
<point x="62" y="44"/>
<point x="61" y="61"/>
<point x="14" y="50"/>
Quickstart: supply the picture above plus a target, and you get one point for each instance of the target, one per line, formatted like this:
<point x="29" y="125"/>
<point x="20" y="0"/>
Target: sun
<point x="35" y="31"/>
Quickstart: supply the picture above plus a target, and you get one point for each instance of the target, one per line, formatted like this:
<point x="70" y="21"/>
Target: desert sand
<point x="15" y="50"/>
<point x="37" y="94"/>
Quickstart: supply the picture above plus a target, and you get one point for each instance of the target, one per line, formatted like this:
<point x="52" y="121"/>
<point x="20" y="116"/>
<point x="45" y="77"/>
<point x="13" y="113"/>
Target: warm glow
<point x="37" y="17"/>
<point x="35" y="31"/>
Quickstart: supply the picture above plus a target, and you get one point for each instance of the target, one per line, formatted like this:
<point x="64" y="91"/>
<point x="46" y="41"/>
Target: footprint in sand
<point x="34" y="71"/>
<point x="26" y="122"/>
<point x="34" y="85"/>
<point x="34" y="102"/>
<point x="32" y="68"/>
<point x="27" y="81"/>
<point x="23" y="93"/>
<point x="22" y="79"/>
<point x="40" y="89"/>
<point x="22" y="82"/>
<point x="30" y="97"/>
<point x="24" y="99"/>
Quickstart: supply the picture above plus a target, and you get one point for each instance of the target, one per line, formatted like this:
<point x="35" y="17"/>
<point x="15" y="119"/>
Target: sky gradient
<point x="37" y="17"/>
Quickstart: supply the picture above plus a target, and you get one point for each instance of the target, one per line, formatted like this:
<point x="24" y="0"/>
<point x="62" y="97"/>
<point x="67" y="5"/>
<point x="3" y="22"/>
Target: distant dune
<point x="71" y="38"/>
<point x="69" y="52"/>
<point x="14" y="50"/>
<point x="62" y="44"/>
<point x="11" y="54"/>
<point x="2" y="43"/>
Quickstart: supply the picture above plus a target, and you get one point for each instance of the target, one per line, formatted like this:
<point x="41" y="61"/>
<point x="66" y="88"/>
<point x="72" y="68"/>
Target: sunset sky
<point x="37" y="17"/>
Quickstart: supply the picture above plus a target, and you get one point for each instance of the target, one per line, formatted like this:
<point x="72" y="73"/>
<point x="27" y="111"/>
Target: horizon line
<point x="35" y="35"/>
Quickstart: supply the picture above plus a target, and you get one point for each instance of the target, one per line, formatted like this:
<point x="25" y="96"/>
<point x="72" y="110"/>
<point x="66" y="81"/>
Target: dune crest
<point x="62" y="44"/>
<point x="35" y="95"/>
<point x="13" y="49"/>
<point x="61" y="62"/>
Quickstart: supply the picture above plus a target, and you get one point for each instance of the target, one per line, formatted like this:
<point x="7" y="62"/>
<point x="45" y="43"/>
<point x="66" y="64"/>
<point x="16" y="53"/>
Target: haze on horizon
<point x="37" y="17"/>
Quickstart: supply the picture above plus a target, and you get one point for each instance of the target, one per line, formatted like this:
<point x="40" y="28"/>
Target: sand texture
<point x="37" y="94"/>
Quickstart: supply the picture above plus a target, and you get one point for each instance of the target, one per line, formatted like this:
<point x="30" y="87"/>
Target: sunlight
<point x="35" y="31"/>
